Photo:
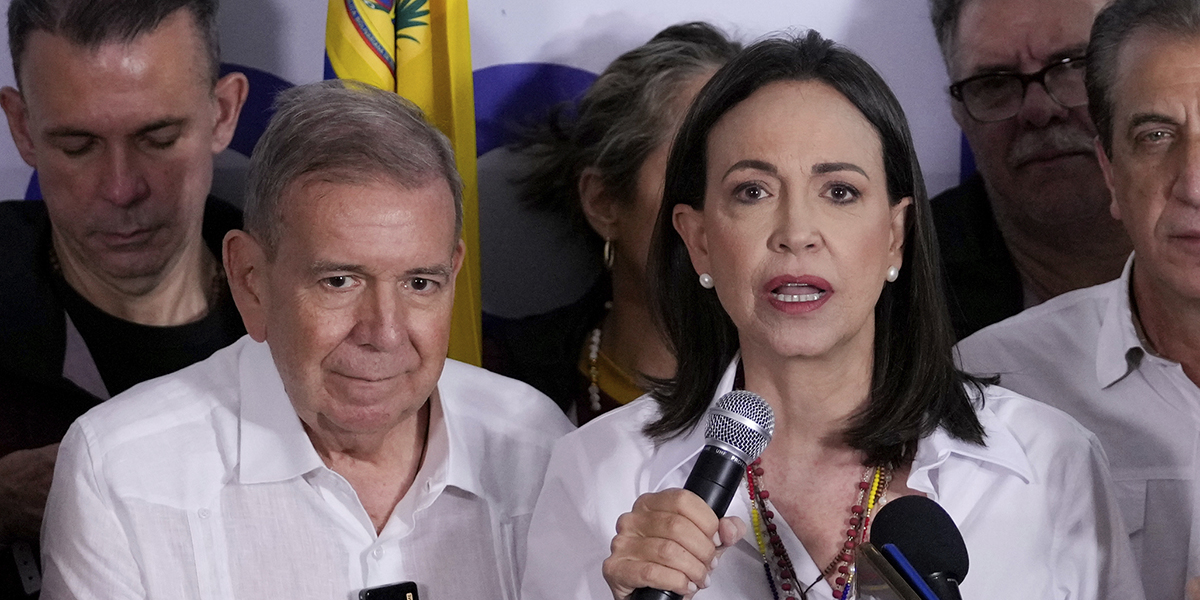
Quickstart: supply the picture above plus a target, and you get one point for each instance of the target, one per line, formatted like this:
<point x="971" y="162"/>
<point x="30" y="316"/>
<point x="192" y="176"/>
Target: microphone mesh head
<point x="749" y="438"/>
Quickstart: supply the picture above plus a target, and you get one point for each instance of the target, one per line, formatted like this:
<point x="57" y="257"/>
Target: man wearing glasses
<point x="1123" y="357"/>
<point x="1034" y="221"/>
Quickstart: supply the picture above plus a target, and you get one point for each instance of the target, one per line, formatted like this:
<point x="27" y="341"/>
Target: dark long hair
<point x="915" y="386"/>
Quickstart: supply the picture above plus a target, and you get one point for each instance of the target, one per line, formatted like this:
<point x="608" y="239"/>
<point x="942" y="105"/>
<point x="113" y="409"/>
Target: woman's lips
<point x="796" y="294"/>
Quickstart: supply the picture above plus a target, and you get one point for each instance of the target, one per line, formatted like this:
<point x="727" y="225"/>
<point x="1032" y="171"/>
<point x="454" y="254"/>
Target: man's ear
<point x="599" y="207"/>
<point x="18" y="123"/>
<point x="229" y="95"/>
<point x="460" y="255"/>
<point x="246" y="270"/>
<point x="689" y="223"/>
<point x="1106" y="168"/>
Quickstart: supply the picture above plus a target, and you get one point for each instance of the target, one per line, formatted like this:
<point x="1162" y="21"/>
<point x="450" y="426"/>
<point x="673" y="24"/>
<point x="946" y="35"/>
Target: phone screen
<point x="405" y="590"/>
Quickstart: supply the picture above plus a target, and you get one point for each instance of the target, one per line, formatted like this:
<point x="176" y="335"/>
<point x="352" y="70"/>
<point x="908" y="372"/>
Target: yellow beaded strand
<point x="758" y="535"/>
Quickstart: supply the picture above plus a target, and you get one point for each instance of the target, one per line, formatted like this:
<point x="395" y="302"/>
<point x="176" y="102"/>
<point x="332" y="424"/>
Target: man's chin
<point x="132" y="267"/>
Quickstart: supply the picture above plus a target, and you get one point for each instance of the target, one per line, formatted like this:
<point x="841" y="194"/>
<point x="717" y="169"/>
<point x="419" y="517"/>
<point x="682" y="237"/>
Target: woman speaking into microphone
<point x="794" y="257"/>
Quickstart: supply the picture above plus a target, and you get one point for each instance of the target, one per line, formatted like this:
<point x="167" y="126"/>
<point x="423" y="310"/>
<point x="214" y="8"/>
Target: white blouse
<point x="1035" y="506"/>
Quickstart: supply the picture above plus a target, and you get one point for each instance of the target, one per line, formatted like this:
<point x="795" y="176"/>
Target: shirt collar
<point x="1002" y="448"/>
<point x="677" y="452"/>
<point x="448" y="458"/>
<point x="1118" y="348"/>
<point x="272" y="444"/>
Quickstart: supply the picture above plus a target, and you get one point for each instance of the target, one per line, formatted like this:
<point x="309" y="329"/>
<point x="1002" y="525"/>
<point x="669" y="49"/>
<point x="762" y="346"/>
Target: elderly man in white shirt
<point x="334" y="448"/>
<point x="1124" y="357"/>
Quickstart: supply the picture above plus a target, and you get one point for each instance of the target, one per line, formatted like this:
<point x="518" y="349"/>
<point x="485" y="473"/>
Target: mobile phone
<point x="405" y="590"/>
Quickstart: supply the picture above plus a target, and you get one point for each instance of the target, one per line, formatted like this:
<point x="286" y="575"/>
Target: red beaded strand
<point x="870" y="493"/>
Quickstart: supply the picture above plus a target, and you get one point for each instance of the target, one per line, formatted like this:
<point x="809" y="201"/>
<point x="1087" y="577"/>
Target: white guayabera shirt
<point x="1081" y="352"/>
<point x="1035" y="507"/>
<point x="202" y="484"/>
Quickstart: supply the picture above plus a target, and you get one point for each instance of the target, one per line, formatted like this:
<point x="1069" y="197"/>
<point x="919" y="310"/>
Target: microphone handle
<point x="944" y="586"/>
<point x="653" y="594"/>
<point x="715" y="478"/>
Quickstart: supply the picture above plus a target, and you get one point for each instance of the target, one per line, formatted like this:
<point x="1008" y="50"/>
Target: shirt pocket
<point x="1131" y="499"/>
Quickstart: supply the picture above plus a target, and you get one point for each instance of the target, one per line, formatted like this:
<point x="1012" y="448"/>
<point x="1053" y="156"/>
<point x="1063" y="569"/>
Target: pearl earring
<point x="706" y="281"/>
<point x="893" y="273"/>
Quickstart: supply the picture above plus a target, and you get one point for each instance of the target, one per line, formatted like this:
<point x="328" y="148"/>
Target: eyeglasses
<point x="998" y="96"/>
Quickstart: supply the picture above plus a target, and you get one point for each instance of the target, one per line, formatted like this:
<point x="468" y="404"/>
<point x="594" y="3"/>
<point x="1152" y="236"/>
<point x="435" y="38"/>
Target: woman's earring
<point x="706" y="281"/>
<point x="893" y="273"/>
<point x="608" y="254"/>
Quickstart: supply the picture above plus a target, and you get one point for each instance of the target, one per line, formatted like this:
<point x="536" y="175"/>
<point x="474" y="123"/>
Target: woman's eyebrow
<point x="751" y="164"/>
<point x="823" y="168"/>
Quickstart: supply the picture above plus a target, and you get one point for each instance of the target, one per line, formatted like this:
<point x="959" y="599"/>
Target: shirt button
<point x="377" y="552"/>
<point x="204" y="513"/>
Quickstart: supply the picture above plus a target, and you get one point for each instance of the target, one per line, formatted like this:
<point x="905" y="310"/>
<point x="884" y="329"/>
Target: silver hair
<point x="1112" y="29"/>
<point x="944" y="14"/>
<point x="347" y="132"/>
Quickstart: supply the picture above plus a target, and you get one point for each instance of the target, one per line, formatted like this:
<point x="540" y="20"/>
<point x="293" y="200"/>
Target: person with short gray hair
<point x="351" y="133"/>
<point x="334" y="450"/>
<point x="1033" y="221"/>
<point x="1121" y="357"/>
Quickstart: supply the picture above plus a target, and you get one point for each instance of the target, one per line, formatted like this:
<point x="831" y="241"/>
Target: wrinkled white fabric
<point x="1080" y="352"/>
<point x="1035" y="507"/>
<point x="202" y="484"/>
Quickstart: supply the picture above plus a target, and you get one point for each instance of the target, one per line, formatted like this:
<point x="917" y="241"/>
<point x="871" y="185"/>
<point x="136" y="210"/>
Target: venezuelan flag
<point x="421" y="49"/>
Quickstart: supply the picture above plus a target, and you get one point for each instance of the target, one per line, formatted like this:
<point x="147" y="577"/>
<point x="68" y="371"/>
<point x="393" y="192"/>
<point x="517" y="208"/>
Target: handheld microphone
<point x="739" y="427"/>
<point x="924" y="534"/>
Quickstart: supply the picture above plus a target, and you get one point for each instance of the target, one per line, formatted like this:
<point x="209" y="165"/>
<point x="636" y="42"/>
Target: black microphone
<point x="928" y="537"/>
<point x="739" y="427"/>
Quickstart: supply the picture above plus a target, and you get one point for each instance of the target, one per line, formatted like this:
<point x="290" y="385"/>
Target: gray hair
<point x="944" y="14"/>
<point x="92" y="23"/>
<point x="621" y="119"/>
<point x="347" y="132"/>
<point x="1112" y="28"/>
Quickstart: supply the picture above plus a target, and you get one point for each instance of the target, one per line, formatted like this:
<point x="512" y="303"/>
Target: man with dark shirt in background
<point x="116" y="277"/>
<point x="1034" y="221"/>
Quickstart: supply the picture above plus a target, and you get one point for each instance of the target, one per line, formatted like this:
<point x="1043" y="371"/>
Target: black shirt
<point x="983" y="286"/>
<point x="128" y="353"/>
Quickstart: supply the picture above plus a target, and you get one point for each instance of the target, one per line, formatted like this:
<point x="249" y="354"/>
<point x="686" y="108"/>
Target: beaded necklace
<point x="871" y="494"/>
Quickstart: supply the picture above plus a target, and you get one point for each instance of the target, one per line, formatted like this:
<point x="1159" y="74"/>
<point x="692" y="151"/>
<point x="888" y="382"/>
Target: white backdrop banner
<point x="530" y="54"/>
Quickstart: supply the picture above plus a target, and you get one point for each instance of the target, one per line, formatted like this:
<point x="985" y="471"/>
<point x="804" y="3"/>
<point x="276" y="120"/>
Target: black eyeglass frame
<point x="1025" y="79"/>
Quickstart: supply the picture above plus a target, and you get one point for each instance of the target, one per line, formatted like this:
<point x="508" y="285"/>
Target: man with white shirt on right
<point x="1123" y="357"/>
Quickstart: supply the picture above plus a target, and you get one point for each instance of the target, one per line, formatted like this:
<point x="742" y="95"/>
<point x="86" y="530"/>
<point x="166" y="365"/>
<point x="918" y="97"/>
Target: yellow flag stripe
<point x="432" y="63"/>
<point x="365" y="33"/>
<point x="453" y="111"/>
<point x="350" y="54"/>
